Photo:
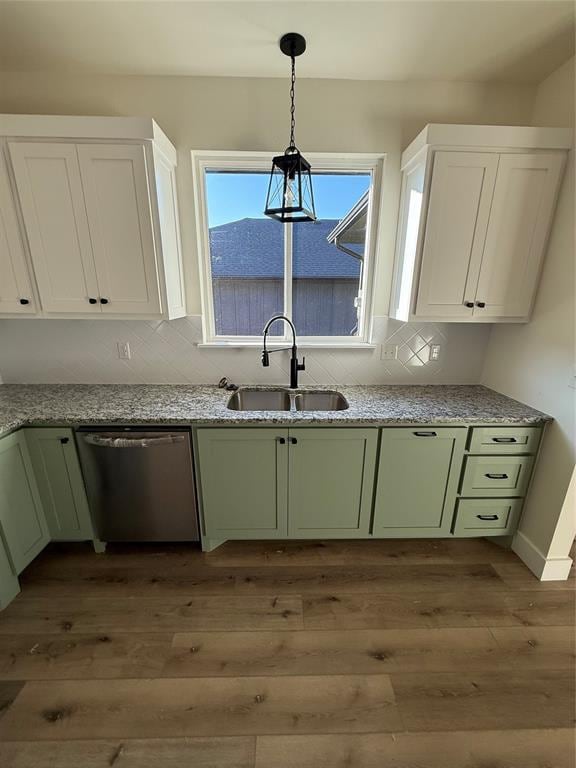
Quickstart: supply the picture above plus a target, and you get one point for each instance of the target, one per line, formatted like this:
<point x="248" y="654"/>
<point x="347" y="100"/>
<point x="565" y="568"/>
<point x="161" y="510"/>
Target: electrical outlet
<point x="388" y="352"/>
<point x="435" y="352"/>
<point x="124" y="350"/>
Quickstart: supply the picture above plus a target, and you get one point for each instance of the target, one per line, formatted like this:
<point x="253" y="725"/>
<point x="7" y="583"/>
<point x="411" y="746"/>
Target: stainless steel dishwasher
<point x="140" y="483"/>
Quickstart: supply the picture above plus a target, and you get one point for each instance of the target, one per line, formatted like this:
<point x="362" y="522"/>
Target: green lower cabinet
<point x="23" y="525"/>
<point x="331" y="482"/>
<point x="496" y="475"/>
<point x="59" y="478"/>
<point x="418" y="475"/>
<point x="487" y="517"/>
<point x="9" y="586"/>
<point x="243" y="476"/>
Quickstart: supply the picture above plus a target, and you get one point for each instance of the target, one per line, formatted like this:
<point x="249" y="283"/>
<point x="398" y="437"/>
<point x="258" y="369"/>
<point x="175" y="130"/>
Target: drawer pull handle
<point x="424" y="434"/>
<point x="487" y="517"/>
<point x="496" y="476"/>
<point x="504" y="440"/>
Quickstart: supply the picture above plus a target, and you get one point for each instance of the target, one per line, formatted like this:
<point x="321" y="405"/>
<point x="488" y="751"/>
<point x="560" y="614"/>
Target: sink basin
<point x="320" y="401"/>
<point x="260" y="400"/>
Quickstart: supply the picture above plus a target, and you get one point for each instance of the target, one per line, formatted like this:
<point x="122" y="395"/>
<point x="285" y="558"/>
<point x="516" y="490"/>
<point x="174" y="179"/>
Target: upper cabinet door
<point x="460" y="197"/>
<point x="50" y="190"/>
<point x="520" y="219"/>
<point x="117" y="196"/>
<point x="15" y="283"/>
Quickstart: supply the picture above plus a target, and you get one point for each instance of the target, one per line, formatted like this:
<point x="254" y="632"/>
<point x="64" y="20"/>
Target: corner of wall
<point x="534" y="362"/>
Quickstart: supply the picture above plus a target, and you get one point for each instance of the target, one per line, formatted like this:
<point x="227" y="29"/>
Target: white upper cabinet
<point x="118" y="206"/>
<point x="458" y="211"/>
<point x="50" y="191"/>
<point x="522" y="209"/>
<point x="474" y="222"/>
<point x="15" y="282"/>
<point x="100" y="226"/>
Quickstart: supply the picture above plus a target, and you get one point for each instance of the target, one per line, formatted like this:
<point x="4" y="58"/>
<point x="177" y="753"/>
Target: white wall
<point x="250" y="114"/>
<point x="535" y="362"/>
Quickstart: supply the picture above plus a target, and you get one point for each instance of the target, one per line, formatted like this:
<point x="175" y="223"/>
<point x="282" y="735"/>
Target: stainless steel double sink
<point x="285" y="400"/>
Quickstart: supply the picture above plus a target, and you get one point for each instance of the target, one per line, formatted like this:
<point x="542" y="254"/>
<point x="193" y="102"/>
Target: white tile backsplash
<point x="167" y="352"/>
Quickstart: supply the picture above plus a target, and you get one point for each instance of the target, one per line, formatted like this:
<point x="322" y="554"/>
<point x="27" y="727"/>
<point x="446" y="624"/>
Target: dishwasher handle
<point x="129" y="442"/>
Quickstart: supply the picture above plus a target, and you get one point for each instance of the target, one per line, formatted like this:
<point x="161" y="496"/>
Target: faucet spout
<point x="295" y="365"/>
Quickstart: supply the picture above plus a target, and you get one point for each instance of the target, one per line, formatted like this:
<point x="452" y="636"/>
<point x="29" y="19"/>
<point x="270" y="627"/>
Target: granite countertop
<point x="108" y="404"/>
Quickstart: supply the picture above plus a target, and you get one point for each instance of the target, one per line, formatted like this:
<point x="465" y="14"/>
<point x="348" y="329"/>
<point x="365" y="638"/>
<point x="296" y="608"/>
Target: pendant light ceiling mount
<point x="292" y="44"/>
<point x="290" y="197"/>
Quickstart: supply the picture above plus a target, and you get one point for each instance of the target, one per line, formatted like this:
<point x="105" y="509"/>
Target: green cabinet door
<point x="418" y="473"/>
<point x="331" y="482"/>
<point x="57" y="471"/>
<point x="9" y="586"/>
<point x="22" y="520"/>
<point x="243" y="482"/>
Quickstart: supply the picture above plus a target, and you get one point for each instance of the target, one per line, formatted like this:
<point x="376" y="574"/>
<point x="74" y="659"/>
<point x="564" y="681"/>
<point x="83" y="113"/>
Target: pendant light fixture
<point x="290" y="197"/>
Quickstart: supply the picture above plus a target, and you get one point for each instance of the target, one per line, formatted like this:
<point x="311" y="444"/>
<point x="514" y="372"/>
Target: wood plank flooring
<point x="387" y="654"/>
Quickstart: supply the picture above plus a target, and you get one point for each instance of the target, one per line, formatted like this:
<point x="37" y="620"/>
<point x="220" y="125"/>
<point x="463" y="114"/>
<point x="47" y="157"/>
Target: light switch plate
<point x="388" y="352"/>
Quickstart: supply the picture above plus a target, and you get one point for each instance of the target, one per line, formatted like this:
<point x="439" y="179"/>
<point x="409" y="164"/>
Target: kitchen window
<point x="253" y="267"/>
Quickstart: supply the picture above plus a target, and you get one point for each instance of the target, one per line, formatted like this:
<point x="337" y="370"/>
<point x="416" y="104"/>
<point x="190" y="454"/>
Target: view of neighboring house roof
<point x="254" y="248"/>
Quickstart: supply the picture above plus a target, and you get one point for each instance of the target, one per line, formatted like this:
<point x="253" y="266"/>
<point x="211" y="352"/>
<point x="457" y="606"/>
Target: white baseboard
<point x="544" y="568"/>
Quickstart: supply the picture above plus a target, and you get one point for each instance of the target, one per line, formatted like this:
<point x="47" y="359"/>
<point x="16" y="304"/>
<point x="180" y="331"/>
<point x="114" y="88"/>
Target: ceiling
<point x="457" y="40"/>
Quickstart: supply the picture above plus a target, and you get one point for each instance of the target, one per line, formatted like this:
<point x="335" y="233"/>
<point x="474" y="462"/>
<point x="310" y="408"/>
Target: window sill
<point x="273" y="344"/>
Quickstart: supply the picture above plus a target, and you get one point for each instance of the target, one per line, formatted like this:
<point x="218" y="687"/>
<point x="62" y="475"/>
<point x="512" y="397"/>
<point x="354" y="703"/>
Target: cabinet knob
<point x="64" y="440"/>
<point x="293" y="440"/>
<point x="24" y="301"/>
<point x="469" y="304"/>
<point x="103" y="301"/>
<point x="281" y="440"/>
<point x="481" y="304"/>
<point x="93" y="301"/>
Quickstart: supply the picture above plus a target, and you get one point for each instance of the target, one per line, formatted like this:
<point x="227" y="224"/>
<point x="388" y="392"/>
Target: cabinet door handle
<point x="481" y="304"/>
<point x="469" y="304"/>
<point x="496" y="476"/>
<point x="92" y="301"/>
<point x="103" y="301"/>
<point x="487" y="517"/>
<point x="24" y="301"/>
<point x="281" y="440"/>
<point x="424" y="434"/>
<point x="64" y="440"/>
<point x="293" y="440"/>
<point x="504" y="440"/>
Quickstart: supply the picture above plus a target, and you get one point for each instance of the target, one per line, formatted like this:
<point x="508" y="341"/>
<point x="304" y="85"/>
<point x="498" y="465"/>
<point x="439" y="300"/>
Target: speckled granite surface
<point x="74" y="404"/>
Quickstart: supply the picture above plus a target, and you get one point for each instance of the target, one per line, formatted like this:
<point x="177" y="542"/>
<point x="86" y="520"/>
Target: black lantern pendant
<point x="290" y="197"/>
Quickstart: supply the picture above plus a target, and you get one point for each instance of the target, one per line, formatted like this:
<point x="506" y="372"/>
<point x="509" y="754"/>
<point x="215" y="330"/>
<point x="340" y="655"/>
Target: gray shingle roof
<point x="254" y="248"/>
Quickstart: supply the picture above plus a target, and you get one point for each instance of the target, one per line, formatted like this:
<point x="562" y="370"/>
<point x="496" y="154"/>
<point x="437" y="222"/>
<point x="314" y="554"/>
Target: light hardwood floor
<point x="380" y="654"/>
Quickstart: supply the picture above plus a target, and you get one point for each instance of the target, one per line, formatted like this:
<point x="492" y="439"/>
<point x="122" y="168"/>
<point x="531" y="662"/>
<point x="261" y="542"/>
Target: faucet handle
<point x="302" y="366"/>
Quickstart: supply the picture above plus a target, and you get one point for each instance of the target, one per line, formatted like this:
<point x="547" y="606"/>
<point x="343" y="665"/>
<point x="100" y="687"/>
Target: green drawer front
<point x="504" y="440"/>
<point x="486" y="517"/>
<point x="496" y="475"/>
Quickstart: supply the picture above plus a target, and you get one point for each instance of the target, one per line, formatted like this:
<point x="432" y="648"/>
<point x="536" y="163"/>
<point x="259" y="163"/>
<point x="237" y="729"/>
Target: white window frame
<point x="374" y="164"/>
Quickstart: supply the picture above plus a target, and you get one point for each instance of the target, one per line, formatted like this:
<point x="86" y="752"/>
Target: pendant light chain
<point x="292" y="104"/>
